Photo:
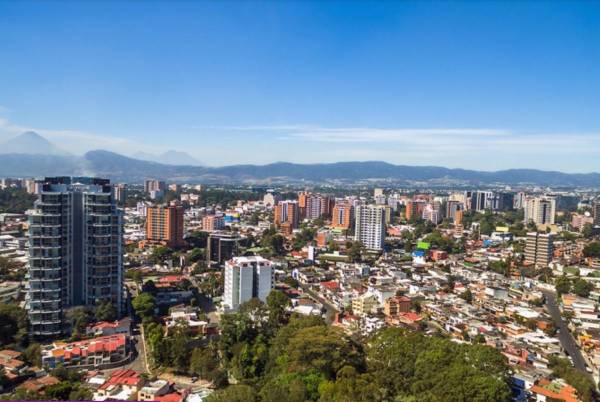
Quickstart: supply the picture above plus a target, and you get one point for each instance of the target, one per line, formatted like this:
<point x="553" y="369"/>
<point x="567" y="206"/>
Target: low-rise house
<point x="120" y="385"/>
<point x="38" y="385"/>
<point x="153" y="390"/>
<point x="547" y="391"/>
<point x="105" y="328"/>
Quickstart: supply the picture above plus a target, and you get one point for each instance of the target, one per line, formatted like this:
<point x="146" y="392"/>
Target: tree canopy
<point x="305" y="360"/>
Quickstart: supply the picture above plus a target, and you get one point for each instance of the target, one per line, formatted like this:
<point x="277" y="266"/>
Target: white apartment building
<point x="370" y="226"/>
<point x="540" y="210"/>
<point x="246" y="278"/>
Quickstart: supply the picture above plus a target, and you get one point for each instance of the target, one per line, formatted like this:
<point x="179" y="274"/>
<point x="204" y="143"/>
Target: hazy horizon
<point x="479" y="86"/>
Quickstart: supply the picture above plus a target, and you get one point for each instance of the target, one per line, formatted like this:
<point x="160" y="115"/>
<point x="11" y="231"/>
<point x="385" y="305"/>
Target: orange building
<point x="213" y="222"/>
<point x="414" y="209"/>
<point x="342" y="214"/>
<point x="287" y="212"/>
<point x="546" y="390"/>
<point x="458" y="217"/>
<point x="165" y="225"/>
<point x="313" y="206"/>
<point x="396" y="305"/>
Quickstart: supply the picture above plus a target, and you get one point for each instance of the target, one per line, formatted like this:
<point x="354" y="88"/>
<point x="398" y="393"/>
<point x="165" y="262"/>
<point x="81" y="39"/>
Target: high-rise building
<point x="164" y="224"/>
<point x="414" y="209"/>
<point x="452" y="207"/>
<point x="381" y="199"/>
<point x="313" y="206"/>
<point x="369" y="226"/>
<point x="154" y="185"/>
<point x="431" y="214"/>
<point x="246" y="278"/>
<point x="377" y="192"/>
<point x="480" y="201"/>
<point x="221" y="246"/>
<point x="520" y="200"/>
<point x="539" y="248"/>
<point x="213" y="222"/>
<point x="596" y="212"/>
<point x="120" y="193"/>
<point x="540" y="210"/>
<point x="342" y="215"/>
<point x="75" y="251"/>
<point x="287" y="212"/>
<point x="503" y="201"/>
<point x="393" y="201"/>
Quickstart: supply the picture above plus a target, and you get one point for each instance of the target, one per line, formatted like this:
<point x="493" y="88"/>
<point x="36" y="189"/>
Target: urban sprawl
<point x="170" y="292"/>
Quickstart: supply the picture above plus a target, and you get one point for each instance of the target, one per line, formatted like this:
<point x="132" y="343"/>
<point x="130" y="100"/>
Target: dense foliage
<point x="302" y="359"/>
<point x="592" y="249"/>
<point x="15" y="200"/>
<point x="13" y="325"/>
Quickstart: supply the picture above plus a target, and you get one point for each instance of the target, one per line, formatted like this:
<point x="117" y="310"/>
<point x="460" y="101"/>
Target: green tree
<point x="197" y="254"/>
<point x="500" y="267"/>
<point x="355" y="251"/>
<point x="205" y="363"/>
<point x="234" y="393"/>
<point x="592" y="249"/>
<point x="562" y="285"/>
<point x="33" y="354"/>
<point x="582" y="288"/>
<point x="179" y="341"/>
<point x="277" y="304"/>
<point x="60" y="391"/>
<point x="274" y="241"/>
<point x="467" y="296"/>
<point x="409" y="364"/>
<point x="587" y="231"/>
<point x="106" y="311"/>
<point x="144" y="305"/>
<point x="160" y="254"/>
<point x="13" y="324"/>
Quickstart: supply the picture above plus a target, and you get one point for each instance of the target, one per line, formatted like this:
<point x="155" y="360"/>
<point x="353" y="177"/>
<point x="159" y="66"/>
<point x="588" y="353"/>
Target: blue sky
<point x="474" y="85"/>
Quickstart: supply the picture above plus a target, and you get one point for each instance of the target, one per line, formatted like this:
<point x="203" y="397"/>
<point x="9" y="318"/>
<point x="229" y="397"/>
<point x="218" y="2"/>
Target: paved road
<point x="565" y="337"/>
<point x="331" y="310"/>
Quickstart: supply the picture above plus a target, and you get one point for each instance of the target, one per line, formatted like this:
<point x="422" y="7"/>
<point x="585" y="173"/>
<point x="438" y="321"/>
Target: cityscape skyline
<point x="478" y="86"/>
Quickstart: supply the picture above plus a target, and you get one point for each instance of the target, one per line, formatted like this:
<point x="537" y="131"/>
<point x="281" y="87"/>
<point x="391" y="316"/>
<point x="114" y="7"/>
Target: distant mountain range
<point x="37" y="163"/>
<point x="170" y="157"/>
<point x="31" y="143"/>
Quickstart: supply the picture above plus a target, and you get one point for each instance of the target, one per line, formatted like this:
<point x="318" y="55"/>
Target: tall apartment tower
<point x="313" y="206"/>
<point x="287" y="212"/>
<point x="342" y="215"/>
<point x="75" y="251"/>
<point x="539" y="248"/>
<point x="414" y="209"/>
<point x="452" y="207"/>
<point x="596" y="212"/>
<point x="246" y="278"/>
<point x="154" y="185"/>
<point x="480" y="200"/>
<point x="164" y="224"/>
<point x="120" y="193"/>
<point x="540" y="210"/>
<point x="369" y="226"/>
